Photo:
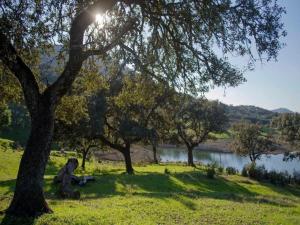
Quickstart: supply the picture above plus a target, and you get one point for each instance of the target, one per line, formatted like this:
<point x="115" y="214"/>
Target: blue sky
<point x="274" y="84"/>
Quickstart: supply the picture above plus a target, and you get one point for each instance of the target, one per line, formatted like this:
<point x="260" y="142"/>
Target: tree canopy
<point x="194" y="119"/>
<point x="288" y="126"/>
<point x="249" y="140"/>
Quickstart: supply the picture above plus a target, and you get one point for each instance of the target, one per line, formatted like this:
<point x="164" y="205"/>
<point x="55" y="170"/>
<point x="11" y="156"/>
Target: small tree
<point x="195" y="119"/>
<point x="130" y="102"/>
<point x="288" y="126"/>
<point x="75" y="124"/>
<point x="249" y="140"/>
<point x="76" y="136"/>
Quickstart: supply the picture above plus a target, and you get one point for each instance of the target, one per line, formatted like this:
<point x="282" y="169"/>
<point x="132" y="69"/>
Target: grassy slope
<point x="185" y="196"/>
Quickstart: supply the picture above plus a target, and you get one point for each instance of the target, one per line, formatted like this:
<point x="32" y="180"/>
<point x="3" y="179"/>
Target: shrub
<point x="220" y="169"/>
<point x="211" y="171"/>
<point x="296" y="177"/>
<point x="281" y="178"/>
<point x="167" y="171"/>
<point x="231" y="170"/>
<point x="245" y="171"/>
<point x="257" y="172"/>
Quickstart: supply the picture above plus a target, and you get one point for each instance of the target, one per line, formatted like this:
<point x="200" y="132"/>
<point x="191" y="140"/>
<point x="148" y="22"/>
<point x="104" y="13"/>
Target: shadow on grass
<point x="183" y="187"/>
<point x="12" y="220"/>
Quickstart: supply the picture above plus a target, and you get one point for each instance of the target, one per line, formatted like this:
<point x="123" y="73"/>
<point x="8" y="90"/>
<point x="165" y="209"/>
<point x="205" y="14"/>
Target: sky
<point x="274" y="84"/>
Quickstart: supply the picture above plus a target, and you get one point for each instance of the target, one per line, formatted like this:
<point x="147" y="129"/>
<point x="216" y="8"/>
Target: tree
<point x="130" y="103"/>
<point x="76" y="136"/>
<point x="194" y="120"/>
<point x="249" y="140"/>
<point x="75" y="126"/>
<point x="172" y="40"/>
<point x="288" y="125"/>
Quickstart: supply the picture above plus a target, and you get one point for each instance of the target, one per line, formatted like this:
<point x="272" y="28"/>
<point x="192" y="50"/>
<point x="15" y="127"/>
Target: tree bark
<point x="155" y="154"/>
<point x="127" y="157"/>
<point x="190" y="157"/>
<point x="28" y="197"/>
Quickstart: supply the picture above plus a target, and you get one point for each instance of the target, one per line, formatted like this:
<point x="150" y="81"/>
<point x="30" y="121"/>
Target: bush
<point x="296" y="177"/>
<point x="257" y="172"/>
<point x="279" y="178"/>
<point x="245" y="171"/>
<point x="220" y="169"/>
<point x="231" y="170"/>
<point x="260" y="173"/>
<point x="210" y="171"/>
<point x="167" y="171"/>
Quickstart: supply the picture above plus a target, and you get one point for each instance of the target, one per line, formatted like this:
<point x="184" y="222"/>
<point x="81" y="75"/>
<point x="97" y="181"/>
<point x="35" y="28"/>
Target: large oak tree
<point x="172" y="40"/>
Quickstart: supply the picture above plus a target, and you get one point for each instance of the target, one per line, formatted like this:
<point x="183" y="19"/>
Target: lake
<point x="271" y="162"/>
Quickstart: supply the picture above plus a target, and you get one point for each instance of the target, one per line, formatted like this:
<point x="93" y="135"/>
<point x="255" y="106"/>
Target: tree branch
<point x="17" y="66"/>
<point x="78" y="27"/>
<point x="130" y="24"/>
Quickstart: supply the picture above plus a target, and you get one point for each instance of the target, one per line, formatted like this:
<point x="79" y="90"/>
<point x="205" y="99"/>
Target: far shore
<point x="223" y="145"/>
<point x="144" y="154"/>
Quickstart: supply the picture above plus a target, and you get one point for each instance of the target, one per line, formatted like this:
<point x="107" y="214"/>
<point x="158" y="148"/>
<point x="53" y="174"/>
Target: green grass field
<point x="185" y="196"/>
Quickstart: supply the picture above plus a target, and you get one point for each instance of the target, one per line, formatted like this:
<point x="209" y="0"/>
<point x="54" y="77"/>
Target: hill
<point x="184" y="195"/>
<point x="249" y="113"/>
<point x="282" y="110"/>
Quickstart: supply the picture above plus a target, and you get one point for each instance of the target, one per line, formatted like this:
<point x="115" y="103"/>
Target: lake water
<point x="271" y="162"/>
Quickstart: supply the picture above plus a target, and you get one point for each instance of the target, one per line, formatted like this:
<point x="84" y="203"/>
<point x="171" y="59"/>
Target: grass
<point x="185" y="196"/>
<point x="223" y="135"/>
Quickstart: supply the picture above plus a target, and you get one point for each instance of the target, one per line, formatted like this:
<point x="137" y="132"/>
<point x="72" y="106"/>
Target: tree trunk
<point x="29" y="197"/>
<point x="190" y="157"/>
<point x="84" y="154"/>
<point x="155" y="154"/>
<point x="127" y="157"/>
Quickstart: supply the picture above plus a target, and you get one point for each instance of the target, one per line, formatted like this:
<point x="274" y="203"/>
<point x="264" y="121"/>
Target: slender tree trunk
<point x="155" y="154"/>
<point x="127" y="157"/>
<point x="29" y="197"/>
<point x="190" y="157"/>
<point x="84" y="154"/>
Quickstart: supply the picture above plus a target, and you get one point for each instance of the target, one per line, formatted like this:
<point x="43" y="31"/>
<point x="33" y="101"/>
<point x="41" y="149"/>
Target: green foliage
<point x="279" y="178"/>
<point x="131" y="102"/>
<point x="244" y="172"/>
<point x="231" y="170"/>
<point x="288" y="126"/>
<point x="220" y="169"/>
<point x="5" y="116"/>
<point x="210" y="171"/>
<point x="248" y="140"/>
<point x="167" y="171"/>
<point x="195" y="119"/>
<point x="261" y="174"/>
<point x="256" y="172"/>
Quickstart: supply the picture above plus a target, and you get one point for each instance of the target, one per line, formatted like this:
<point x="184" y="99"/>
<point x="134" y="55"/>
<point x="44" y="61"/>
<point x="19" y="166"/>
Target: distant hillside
<point x="282" y="110"/>
<point x="249" y="113"/>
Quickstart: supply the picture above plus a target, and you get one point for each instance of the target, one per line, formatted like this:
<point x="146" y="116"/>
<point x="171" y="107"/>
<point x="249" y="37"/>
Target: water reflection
<point x="271" y="162"/>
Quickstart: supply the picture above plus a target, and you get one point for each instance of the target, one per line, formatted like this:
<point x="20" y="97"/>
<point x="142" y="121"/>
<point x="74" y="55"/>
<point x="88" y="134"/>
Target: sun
<point x="99" y="18"/>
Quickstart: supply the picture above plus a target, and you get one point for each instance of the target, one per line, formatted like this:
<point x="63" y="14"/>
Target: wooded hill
<point x="249" y="113"/>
